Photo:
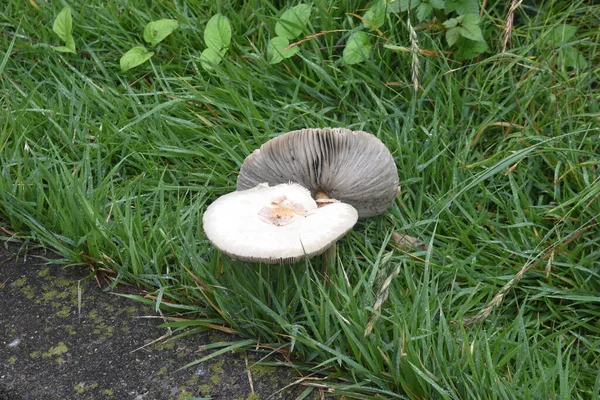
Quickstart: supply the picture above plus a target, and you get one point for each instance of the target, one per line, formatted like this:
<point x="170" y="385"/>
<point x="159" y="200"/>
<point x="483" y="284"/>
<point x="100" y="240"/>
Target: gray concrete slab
<point x="63" y="337"/>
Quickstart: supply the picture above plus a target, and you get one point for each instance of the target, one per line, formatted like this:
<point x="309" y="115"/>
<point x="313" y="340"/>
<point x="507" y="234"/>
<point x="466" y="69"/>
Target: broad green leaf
<point x="134" y="57"/>
<point x="293" y="21"/>
<point x="393" y="7"/>
<point x="468" y="49"/>
<point x="210" y="58"/>
<point x="462" y="7"/>
<point x="358" y="48"/>
<point x="217" y="34"/>
<point x="404" y="4"/>
<point x="438" y="4"/>
<point x="69" y="47"/>
<point x="63" y="49"/>
<point x="452" y="35"/>
<point x="470" y="27"/>
<point x="451" y="23"/>
<point x="464" y="25"/>
<point x="156" y="31"/>
<point x="375" y="14"/>
<point x="423" y="11"/>
<point x="561" y="34"/>
<point x="63" y="24"/>
<point x="570" y="57"/>
<point x="276" y="49"/>
<point x="469" y="19"/>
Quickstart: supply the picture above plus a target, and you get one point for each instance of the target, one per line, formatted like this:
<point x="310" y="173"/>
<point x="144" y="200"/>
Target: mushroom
<point x="353" y="167"/>
<point x="300" y="192"/>
<point x="275" y="224"/>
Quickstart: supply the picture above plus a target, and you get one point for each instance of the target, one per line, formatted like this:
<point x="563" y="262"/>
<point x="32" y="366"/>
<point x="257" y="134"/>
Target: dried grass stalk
<point x="508" y="25"/>
<point x="382" y="295"/>
<point x="415" y="51"/>
<point x="549" y="254"/>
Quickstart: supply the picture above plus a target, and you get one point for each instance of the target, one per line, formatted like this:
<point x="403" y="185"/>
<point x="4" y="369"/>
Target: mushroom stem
<point x="328" y="259"/>
<point x="322" y="199"/>
<point x="321" y="195"/>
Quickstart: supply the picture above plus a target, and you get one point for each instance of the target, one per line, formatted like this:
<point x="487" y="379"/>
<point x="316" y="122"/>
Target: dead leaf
<point x="34" y="4"/>
<point x="406" y="242"/>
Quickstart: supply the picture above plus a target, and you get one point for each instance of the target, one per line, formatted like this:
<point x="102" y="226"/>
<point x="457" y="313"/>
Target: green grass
<point x="499" y="163"/>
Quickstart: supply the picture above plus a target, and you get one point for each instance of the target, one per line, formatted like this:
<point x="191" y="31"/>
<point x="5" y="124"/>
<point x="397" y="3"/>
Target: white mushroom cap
<point x="275" y="224"/>
<point x="353" y="167"/>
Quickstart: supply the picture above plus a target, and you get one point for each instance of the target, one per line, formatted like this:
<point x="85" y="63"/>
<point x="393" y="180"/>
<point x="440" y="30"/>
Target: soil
<point x="63" y="337"/>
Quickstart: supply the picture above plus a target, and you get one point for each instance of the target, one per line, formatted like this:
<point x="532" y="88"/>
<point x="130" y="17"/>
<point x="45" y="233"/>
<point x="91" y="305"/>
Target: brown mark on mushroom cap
<point x="279" y="224"/>
<point x="353" y="167"/>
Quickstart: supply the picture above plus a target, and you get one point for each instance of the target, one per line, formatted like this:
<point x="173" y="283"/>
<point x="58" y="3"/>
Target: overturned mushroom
<point x="353" y="167"/>
<point x="322" y="181"/>
<point x="275" y="224"/>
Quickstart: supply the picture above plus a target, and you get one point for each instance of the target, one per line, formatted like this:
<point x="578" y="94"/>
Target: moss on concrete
<point x="259" y="371"/>
<point x="217" y="366"/>
<point x="101" y="348"/>
<point x="60" y="348"/>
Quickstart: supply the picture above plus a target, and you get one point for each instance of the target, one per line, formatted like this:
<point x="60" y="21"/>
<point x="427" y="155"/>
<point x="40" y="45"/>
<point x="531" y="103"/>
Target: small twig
<point x="371" y="25"/>
<point x="311" y="37"/>
<point x="11" y="233"/>
<point x="302" y="381"/>
<point x="249" y="375"/>
<point x="165" y="336"/>
<point x="79" y="300"/>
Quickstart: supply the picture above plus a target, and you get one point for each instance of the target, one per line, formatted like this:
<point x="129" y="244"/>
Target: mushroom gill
<point x="353" y="167"/>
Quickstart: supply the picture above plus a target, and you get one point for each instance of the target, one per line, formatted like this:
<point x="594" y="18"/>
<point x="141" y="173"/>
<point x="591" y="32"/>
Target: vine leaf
<point x="156" y="31"/>
<point x="277" y="49"/>
<point x="358" y="48"/>
<point x="217" y="34"/>
<point x="134" y="57"/>
<point x="63" y="27"/>
<point x="292" y="21"/>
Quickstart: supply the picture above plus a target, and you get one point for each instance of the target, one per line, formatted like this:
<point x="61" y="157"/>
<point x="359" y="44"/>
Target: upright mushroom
<point x="322" y="181"/>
